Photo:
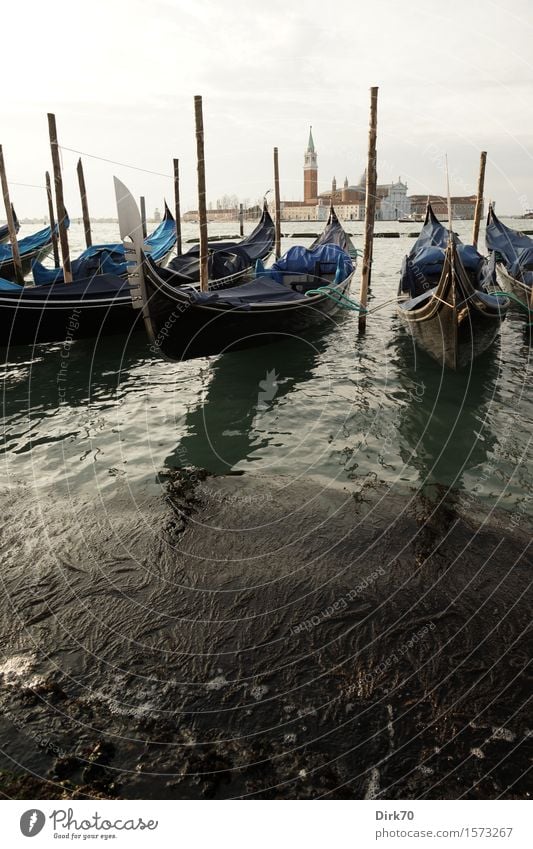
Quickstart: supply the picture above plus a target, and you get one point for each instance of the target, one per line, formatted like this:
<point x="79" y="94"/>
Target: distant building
<point x="251" y="213"/>
<point x="310" y="172"/>
<point x="462" y="207"/>
<point x="392" y="200"/>
<point x="157" y="216"/>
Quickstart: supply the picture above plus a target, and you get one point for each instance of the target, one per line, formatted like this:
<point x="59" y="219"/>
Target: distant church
<point x="392" y="201"/>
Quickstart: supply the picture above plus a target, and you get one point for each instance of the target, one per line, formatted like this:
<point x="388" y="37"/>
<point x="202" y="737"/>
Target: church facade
<point x="392" y="201"/>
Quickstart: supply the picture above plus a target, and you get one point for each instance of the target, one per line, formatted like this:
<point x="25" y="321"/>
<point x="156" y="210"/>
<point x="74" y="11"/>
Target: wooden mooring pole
<point x="143" y="216"/>
<point x="370" y="206"/>
<point x="241" y="219"/>
<point x="177" y="205"/>
<point x="84" y="205"/>
<point x="60" y="202"/>
<point x="479" y="198"/>
<point x="52" y="219"/>
<point x="202" y="210"/>
<point x="17" y="264"/>
<point x="277" y="205"/>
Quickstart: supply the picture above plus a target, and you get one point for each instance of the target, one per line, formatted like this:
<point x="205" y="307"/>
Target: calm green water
<point x="332" y="406"/>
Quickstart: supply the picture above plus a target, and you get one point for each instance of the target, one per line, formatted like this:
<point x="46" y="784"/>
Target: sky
<point x="454" y="78"/>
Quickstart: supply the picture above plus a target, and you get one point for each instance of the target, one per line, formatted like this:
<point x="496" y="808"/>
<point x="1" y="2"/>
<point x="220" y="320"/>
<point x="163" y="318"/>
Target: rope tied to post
<point x="340" y="298"/>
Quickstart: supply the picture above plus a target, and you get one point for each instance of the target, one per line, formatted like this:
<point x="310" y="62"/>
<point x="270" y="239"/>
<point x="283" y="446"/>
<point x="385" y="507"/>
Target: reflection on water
<point x="445" y="427"/>
<point x="333" y="406"/>
<point x="239" y="414"/>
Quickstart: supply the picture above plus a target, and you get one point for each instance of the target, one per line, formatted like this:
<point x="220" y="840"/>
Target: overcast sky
<point x="454" y="77"/>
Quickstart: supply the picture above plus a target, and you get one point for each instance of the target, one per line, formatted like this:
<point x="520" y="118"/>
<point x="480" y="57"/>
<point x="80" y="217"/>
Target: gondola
<point x="513" y="252"/>
<point x="109" y="258"/>
<point x="31" y="248"/>
<point x="98" y="304"/>
<point x="56" y="312"/>
<point x="4" y="229"/>
<point x="228" y="262"/>
<point x="447" y="301"/>
<point x="335" y="234"/>
<point x="304" y="287"/>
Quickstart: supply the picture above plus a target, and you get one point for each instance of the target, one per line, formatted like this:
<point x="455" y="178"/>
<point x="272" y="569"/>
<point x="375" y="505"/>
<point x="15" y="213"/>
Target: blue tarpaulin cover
<point x="508" y="243"/>
<point x="109" y="258"/>
<point x="226" y="258"/>
<point x="268" y="286"/>
<point x="28" y="245"/>
<point x="323" y="259"/>
<point x="103" y="286"/>
<point x="423" y="265"/>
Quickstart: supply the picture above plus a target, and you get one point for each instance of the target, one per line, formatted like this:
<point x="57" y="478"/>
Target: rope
<point x="29" y="185"/>
<point x="338" y="297"/>
<point x="513" y="297"/>
<point x="114" y="162"/>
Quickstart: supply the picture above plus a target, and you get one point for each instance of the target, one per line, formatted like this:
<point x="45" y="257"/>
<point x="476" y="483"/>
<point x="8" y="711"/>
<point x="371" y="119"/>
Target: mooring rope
<point x="339" y="297"/>
<point x="513" y="297"/>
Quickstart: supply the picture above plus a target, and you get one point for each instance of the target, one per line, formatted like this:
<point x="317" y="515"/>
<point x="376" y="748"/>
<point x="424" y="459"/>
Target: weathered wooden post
<point x="202" y="210"/>
<point x="52" y="219"/>
<point x="143" y="216"/>
<point x="370" y="206"/>
<point x="84" y="205"/>
<point x="60" y="202"/>
<point x="177" y="205"/>
<point x="277" y="205"/>
<point x="17" y="264"/>
<point x="241" y="219"/>
<point x="479" y="199"/>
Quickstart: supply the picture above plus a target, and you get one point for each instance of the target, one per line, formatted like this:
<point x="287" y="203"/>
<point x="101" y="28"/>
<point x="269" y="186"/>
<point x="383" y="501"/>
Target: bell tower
<point x="310" y="171"/>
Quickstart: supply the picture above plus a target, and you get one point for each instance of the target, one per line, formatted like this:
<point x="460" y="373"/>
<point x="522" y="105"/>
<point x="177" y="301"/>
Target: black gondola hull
<point x="23" y="323"/>
<point x="453" y="337"/>
<point x="511" y="284"/>
<point x="454" y="322"/>
<point x="180" y="330"/>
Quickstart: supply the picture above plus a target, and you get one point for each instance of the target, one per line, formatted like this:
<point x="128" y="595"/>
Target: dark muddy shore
<point x="247" y="636"/>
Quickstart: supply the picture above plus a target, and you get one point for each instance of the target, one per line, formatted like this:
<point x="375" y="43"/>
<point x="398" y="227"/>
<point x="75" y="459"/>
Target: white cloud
<point x="121" y="78"/>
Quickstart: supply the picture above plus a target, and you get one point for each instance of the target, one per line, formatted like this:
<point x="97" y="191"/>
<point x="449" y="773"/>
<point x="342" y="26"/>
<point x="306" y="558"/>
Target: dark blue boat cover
<point x="227" y="258"/>
<point x="422" y="267"/>
<point x="334" y="234"/>
<point x="508" y="243"/>
<point x="325" y="259"/>
<point x="523" y="262"/>
<point x="29" y="244"/>
<point x="259" y="290"/>
<point x="268" y="285"/>
<point x="513" y="248"/>
<point x="103" y="287"/>
<point x="109" y="258"/>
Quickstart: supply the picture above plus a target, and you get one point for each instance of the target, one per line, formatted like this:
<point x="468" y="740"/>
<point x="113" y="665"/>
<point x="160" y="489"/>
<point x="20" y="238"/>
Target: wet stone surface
<point x="241" y="637"/>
